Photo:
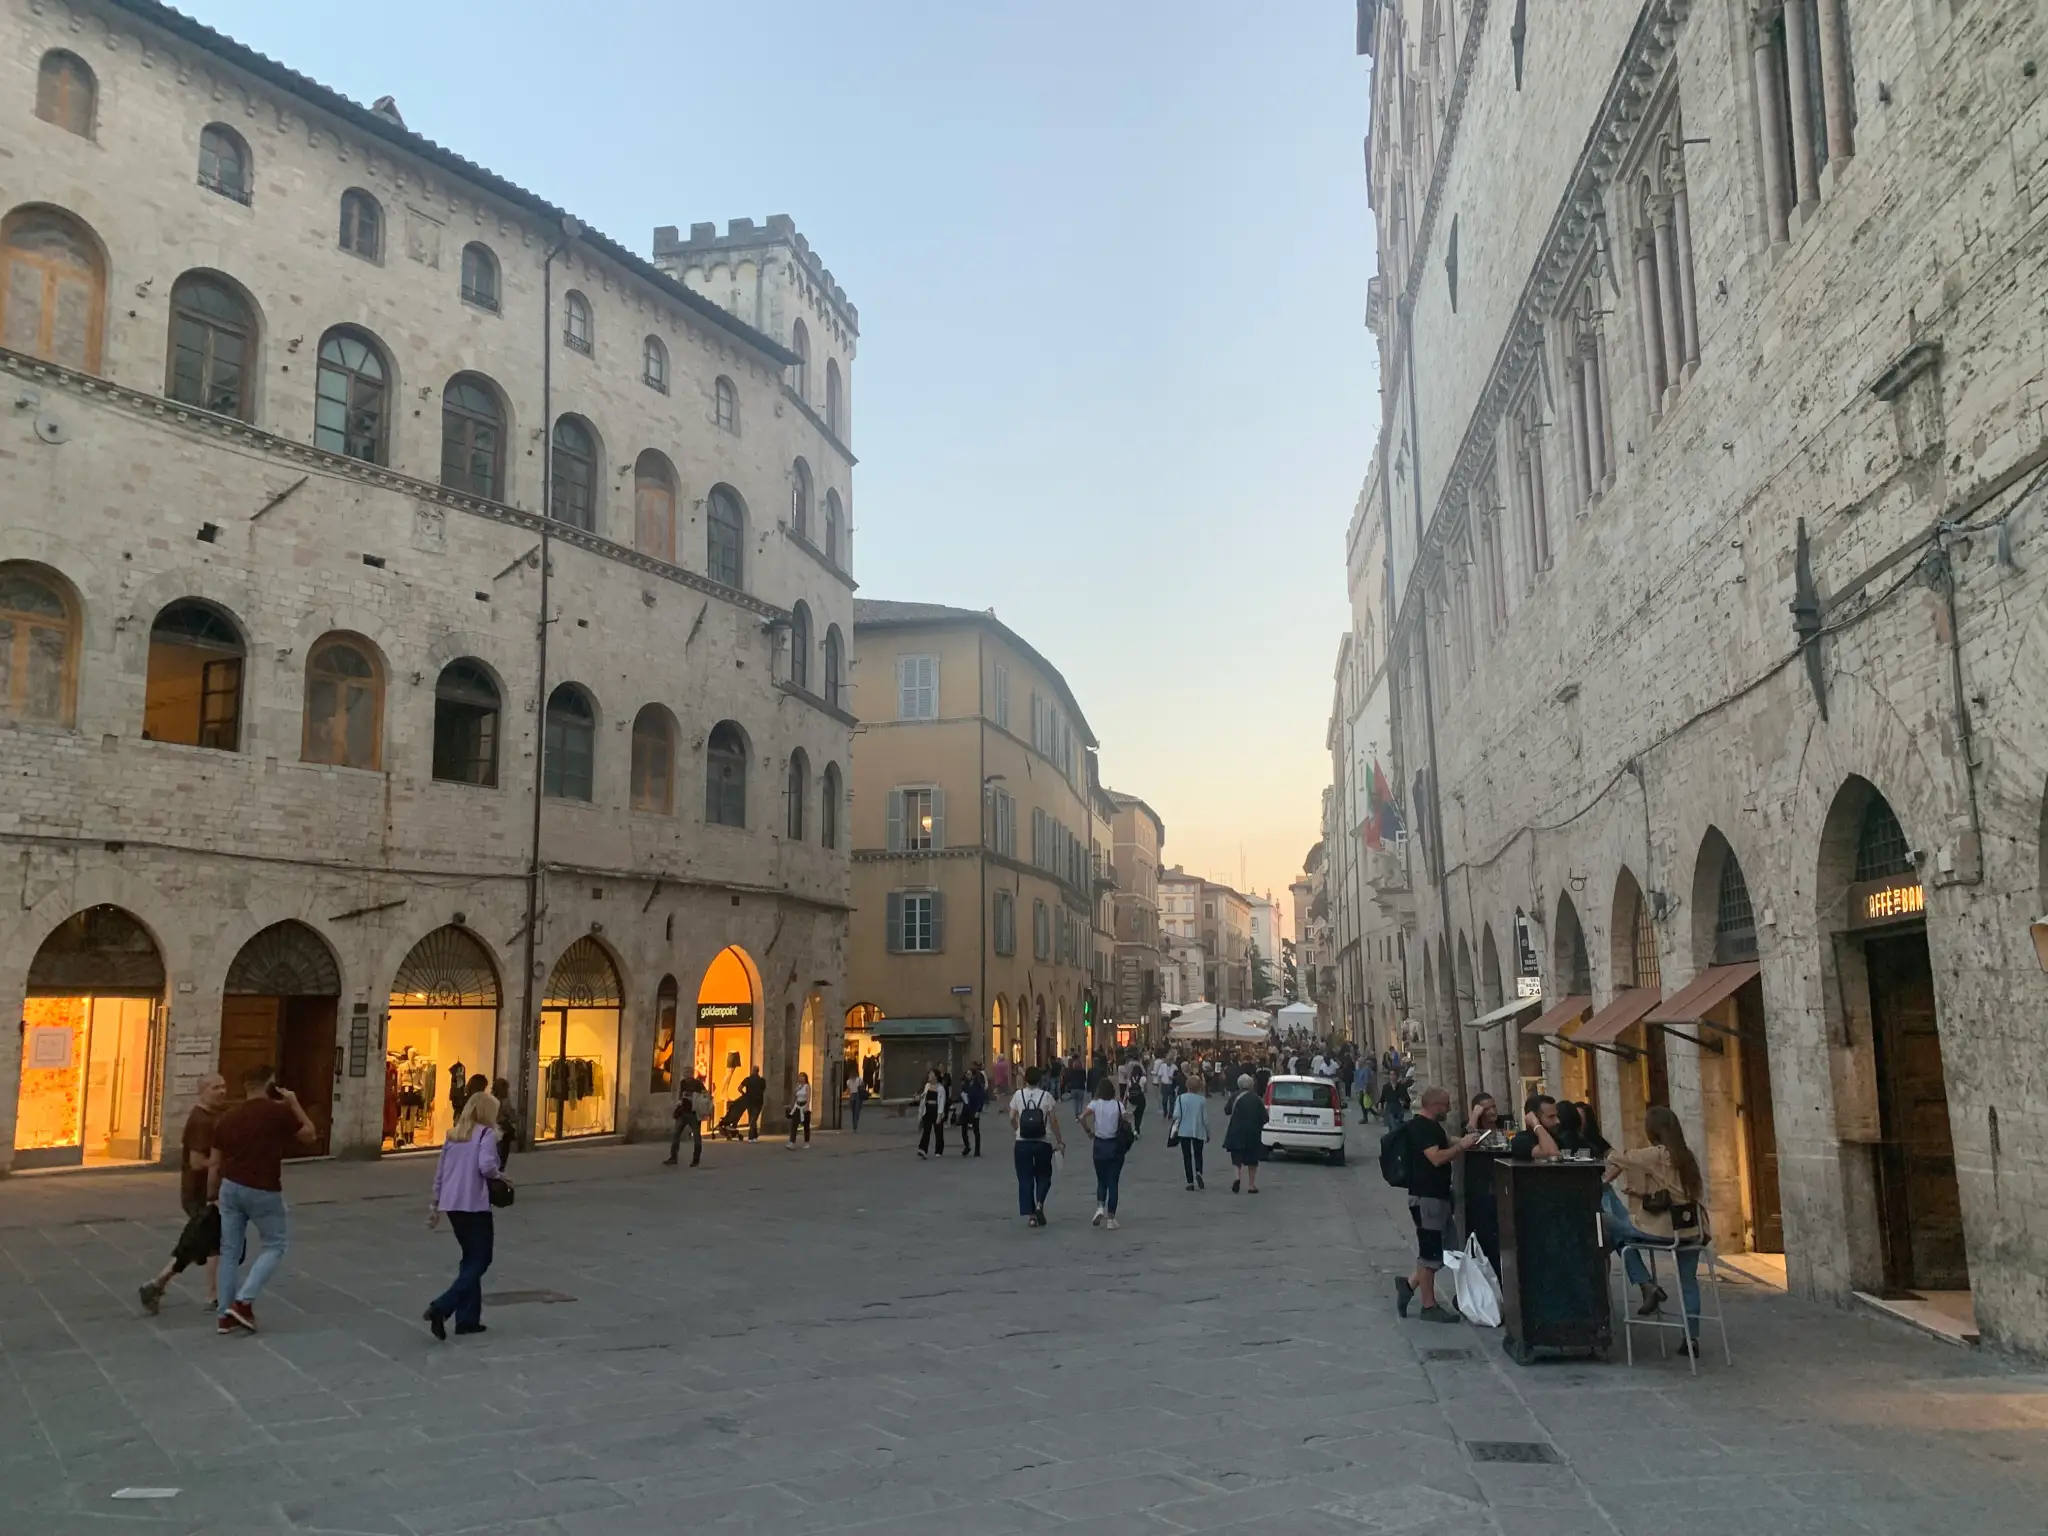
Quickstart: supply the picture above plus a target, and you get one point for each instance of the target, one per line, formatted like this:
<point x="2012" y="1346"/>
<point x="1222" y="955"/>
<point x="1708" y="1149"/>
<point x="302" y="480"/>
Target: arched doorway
<point x="1637" y="968"/>
<point x="996" y="1041"/>
<point x="1878" y="979"/>
<point x="91" y="1085"/>
<point x="278" y="1009"/>
<point x="443" y="1026"/>
<point x="811" y="1057"/>
<point x="1724" y="1004"/>
<point x="577" y="1066"/>
<point x="1572" y="966"/>
<point x="661" y="1064"/>
<point x="1043" y="1053"/>
<point x="728" y="1005"/>
<point x="861" y="1054"/>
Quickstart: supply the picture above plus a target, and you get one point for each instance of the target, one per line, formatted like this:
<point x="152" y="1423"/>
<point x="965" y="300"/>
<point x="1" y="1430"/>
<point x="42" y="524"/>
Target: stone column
<point x="1770" y="114"/>
<point x="1575" y="407"/>
<point x="1835" y="85"/>
<point x="1798" y="82"/>
<point x="1539" y="507"/>
<point x="1688" y="300"/>
<point x="1649" y="321"/>
<point x="1597" y="427"/>
<point x="1667" y="292"/>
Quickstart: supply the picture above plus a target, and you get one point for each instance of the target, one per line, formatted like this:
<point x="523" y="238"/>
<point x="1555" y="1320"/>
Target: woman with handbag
<point x="468" y="1181"/>
<point x="1191" y="1128"/>
<point x="1662" y="1183"/>
<point x="1108" y="1123"/>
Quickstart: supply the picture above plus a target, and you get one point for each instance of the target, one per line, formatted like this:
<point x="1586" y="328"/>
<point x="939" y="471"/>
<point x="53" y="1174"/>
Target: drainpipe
<point x="528" y="1024"/>
<point x="1436" y="786"/>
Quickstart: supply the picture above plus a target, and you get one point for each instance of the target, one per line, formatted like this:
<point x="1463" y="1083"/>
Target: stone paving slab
<point x="846" y="1339"/>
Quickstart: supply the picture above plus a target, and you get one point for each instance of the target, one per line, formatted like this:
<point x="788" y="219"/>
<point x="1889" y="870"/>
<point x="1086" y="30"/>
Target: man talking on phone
<point x="245" y="1177"/>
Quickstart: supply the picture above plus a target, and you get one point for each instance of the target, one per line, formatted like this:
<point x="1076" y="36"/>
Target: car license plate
<point x="1301" y="1119"/>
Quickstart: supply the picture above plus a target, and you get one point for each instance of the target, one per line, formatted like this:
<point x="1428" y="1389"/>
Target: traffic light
<point x="1088" y="1011"/>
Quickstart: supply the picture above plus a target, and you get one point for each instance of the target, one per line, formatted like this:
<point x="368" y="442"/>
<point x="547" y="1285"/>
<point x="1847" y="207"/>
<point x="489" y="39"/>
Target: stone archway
<point x="278" y="1009"/>
<point x="577" y="1086"/>
<point x="444" y="1016"/>
<point x="730" y="999"/>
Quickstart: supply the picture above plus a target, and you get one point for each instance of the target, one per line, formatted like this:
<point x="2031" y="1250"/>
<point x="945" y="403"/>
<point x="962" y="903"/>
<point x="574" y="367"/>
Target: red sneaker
<point x="225" y="1325"/>
<point x="242" y="1315"/>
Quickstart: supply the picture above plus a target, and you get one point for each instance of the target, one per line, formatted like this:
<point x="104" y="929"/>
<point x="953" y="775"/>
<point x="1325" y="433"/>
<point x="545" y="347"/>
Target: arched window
<point x="480" y="276"/>
<point x="577" y="329"/>
<point x="213" y="335"/>
<point x="466" y="706"/>
<point x="53" y="288"/>
<point x="725" y="534"/>
<point x="224" y="165"/>
<point x="654" y="364"/>
<point x="832" y="522"/>
<point x="570" y="765"/>
<point x="725" y="776"/>
<point x="473" y="437"/>
<point x="800" y="646"/>
<point x="1881" y="849"/>
<point x="835" y="663"/>
<point x="38" y="646"/>
<point x="654" y="760"/>
<point x="193" y="694"/>
<point x="351" y="405"/>
<point x="726" y="405"/>
<point x="362" y="224"/>
<point x="828" y="808"/>
<point x="800" y="375"/>
<point x="832" y="402"/>
<point x="344" y="703"/>
<point x="654" y="507"/>
<point x="799" y="792"/>
<point x="575" y="475"/>
<point x="66" y="93"/>
<point x="800" y="499"/>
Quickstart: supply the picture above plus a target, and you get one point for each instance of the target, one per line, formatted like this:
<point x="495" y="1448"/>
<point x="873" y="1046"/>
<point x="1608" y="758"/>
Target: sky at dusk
<point x="1110" y="261"/>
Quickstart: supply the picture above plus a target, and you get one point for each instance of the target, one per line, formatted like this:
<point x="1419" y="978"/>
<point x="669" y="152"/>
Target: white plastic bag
<point x="1477" y="1290"/>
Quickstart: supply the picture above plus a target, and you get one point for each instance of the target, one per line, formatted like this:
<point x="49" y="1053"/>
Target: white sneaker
<point x="1111" y="1223"/>
<point x="1100" y="1217"/>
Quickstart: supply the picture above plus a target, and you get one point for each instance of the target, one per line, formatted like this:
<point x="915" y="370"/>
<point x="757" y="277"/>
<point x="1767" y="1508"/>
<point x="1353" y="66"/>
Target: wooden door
<point x="248" y="1038"/>
<point x="1759" y="1121"/>
<point x="1921" y="1206"/>
<point x="306" y="1063"/>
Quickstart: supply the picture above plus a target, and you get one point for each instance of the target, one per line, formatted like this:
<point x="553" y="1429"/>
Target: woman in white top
<point x="931" y="1114"/>
<point x="1103" y="1120"/>
<point x="800" y="1110"/>
<point x="1191" y="1128"/>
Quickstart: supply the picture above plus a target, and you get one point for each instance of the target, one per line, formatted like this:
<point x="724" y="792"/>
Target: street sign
<point x="963" y="991"/>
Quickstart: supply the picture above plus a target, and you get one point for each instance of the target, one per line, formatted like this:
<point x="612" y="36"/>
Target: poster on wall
<point x="50" y="1046"/>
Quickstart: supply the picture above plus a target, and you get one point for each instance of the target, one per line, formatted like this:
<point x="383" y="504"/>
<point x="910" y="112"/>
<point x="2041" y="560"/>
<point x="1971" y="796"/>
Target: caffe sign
<point x="1875" y="903"/>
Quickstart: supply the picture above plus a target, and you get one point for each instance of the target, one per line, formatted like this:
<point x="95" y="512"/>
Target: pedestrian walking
<point x="973" y="1100"/>
<point x="462" y="1192"/>
<point x="999" y="1078"/>
<point x="1245" y="1137"/>
<point x="800" y="1110"/>
<point x="931" y="1115"/>
<point x="1134" y="1105"/>
<point x="1074" y="1084"/>
<point x="199" y="1242"/>
<point x="245" y="1178"/>
<point x="754" y="1099"/>
<point x="856" y="1096"/>
<point x="1191" y="1128"/>
<point x="1107" y="1123"/>
<point x="508" y="1128"/>
<point x="686" y="1119"/>
<point x="1430" y="1153"/>
<point x="1035" y="1118"/>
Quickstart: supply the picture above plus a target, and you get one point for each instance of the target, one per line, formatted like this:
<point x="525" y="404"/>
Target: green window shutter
<point x="894" y="841"/>
<point x="938" y="901"/>
<point x="938" y="818"/>
<point x="894" y="923"/>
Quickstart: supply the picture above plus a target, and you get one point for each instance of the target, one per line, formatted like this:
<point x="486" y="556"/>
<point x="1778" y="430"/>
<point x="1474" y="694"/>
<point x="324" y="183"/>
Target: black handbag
<point x="501" y="1191"/>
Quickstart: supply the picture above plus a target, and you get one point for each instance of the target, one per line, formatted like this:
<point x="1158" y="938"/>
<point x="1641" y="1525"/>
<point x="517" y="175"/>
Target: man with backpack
<point x="1417" y="1157"/>
<point x="1034" y="1115"/>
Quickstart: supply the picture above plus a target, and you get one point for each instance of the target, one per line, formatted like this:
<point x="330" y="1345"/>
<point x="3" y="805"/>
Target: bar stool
<point x="1709" y="1278"/>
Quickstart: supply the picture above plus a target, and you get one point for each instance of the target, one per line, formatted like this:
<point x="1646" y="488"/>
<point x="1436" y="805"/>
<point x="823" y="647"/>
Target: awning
<point x="1502" y="1015"/>
<point x="904" y="1029"/>
<point x="1554" y="1021"/>
<point x="1610" y="1022"/>
<point x="1706" y="991"/>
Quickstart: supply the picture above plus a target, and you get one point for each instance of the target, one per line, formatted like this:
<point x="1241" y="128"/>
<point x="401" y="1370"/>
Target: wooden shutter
<point x="894" y="923"/>
<point x="938" y="901"/>
<point x="903" y="664"/>
<point x="938" y="818"/>
<point x="894" y="841"/>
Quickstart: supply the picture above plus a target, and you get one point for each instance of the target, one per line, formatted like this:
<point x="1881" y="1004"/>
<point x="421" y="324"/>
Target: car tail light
<point x="1269" y="1095"/>
<point x="1340" y="1118"/>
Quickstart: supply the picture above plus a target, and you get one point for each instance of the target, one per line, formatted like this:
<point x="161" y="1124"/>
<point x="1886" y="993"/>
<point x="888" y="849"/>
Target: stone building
<point x="1138" y="836"/>
<point x="315" y="427"/>
<point x="973" y="869"/>
<point x="1182" y="978"/>
<point x="1713" y="451"/>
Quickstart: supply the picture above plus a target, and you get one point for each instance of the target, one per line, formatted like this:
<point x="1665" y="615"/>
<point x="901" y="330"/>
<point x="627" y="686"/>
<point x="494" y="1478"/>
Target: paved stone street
<point x="846" y="1338"/>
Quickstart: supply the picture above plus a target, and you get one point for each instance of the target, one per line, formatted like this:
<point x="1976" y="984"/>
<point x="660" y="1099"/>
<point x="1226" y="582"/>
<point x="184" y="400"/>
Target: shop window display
<point x="443" y="1030"/>
<point x="726" y="1012"/>
<point x="576" y="1070"/>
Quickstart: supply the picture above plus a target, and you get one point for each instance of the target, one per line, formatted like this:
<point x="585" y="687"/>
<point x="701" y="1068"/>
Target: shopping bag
<point x="1477" y="1289"/>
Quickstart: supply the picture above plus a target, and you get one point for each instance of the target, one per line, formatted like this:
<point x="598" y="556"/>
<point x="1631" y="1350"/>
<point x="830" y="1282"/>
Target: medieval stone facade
<point x="1713" y="468"/>
<point x="304" y="413"/>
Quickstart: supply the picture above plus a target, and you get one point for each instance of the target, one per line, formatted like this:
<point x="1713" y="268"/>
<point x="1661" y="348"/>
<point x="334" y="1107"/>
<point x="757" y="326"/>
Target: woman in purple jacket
<point x="469" y="1160"/>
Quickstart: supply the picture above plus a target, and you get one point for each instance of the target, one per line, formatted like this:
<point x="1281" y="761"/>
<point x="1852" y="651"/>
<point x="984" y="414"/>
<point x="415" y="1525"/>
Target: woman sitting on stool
<point x="1663" y="1186"/>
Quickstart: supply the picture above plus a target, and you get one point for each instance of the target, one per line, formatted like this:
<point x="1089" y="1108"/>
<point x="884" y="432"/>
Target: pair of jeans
<point x="692" y="1127"/>
<point x="464" y="1300"/>
<point x="853" y="1104"/>
<point x="1034" y="1175"/>
<point x="929" y="1128"/>
<point x="1621" y="1229"/>
<point x="240" y="1209"/>
<point x="799" y="1120"/>
<point x="1191" y="1156"/>
<point x="1109" y="1171"/>
<point x="970" y="1131"/>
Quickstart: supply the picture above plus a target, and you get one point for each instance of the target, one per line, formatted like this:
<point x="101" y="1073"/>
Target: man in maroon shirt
<point x="245" y="1177"/>
<point x="200" y="1241"/>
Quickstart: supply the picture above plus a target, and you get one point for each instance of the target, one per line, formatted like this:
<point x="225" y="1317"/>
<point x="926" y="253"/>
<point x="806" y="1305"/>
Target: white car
<point x="1304" y="1114"/>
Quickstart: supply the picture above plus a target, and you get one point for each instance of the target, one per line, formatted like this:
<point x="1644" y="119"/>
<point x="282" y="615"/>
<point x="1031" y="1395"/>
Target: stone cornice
<point x="285" y="452"/>
<point x="839" y="573"/>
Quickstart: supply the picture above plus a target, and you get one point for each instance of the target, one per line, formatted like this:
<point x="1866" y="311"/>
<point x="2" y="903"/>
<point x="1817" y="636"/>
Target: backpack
<point x="1397" y="1154"/>
<point x="1031" y="1118"/>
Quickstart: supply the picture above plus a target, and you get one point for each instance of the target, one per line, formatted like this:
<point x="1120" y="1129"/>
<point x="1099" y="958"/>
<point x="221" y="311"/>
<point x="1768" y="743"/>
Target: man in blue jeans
<point x="1035" y="1117"/>
<point x="245" y="1177"/>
